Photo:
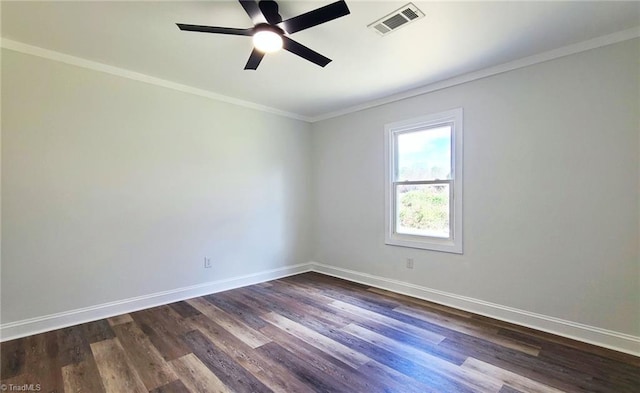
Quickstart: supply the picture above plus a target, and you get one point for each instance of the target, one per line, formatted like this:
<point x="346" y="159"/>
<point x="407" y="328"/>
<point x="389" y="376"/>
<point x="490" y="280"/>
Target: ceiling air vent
<point x="397" y="19"/>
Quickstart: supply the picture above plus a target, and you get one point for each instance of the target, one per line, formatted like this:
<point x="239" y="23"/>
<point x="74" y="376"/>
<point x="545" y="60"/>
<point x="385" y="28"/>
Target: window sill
<point x="432" y="244"/>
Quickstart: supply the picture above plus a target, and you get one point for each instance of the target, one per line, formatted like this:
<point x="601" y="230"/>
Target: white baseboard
<point x="590" y="334"/>
<point x="28" y="327"/>
<point x="577" y="331"/>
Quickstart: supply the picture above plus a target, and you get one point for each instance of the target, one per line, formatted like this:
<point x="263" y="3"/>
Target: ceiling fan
<point x="273" y="35"/>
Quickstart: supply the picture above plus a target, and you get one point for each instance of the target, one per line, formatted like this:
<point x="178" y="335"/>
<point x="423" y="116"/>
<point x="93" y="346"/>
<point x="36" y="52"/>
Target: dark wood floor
<point x="310" y="333"/>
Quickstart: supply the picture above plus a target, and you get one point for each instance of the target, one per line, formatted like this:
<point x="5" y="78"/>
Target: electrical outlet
<point x="207" y="263"/>
<point x="409" y="263"/>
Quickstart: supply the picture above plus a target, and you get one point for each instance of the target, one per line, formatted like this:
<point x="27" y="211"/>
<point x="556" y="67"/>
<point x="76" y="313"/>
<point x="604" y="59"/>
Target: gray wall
<point x="551" y="190"/>
<point x="113" y="188"/>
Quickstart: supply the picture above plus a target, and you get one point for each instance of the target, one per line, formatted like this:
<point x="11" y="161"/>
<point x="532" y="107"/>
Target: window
<point x="423" y="166"/>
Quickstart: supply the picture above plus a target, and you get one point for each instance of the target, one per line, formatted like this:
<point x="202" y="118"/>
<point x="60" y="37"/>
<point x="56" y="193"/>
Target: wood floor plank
<point x="372" y="377"/>
<point x="117" y="373"/>
<point x="592" y="364"/>
<point x="12" y="357"/>
<point x="273" y="374"/>
<point x="461" y="343"/>
<point x="171" y="319"/>
<point x="353" y="293"/>
<point x="421" y="303"/>
<point x="238" y="309"/>
<point x="322" y="282"/>
<point x="148" y="362"/>
<point x="184" y="309"/>
<point x="520" y="363"/>
<point x="412" y="368"/>
<point x="295" y="309"/>
<point x="310" y="306"/>
<point x="243" y="295"/>
<point x="540" y="336"/>
<point x="249" y="336"/>
<point x="314" y="297"/>
<point x="82" y="377"/>
<point x="236" y="377"/>
<point x="163" y="317"/>
<point x="387" y="376"/>
<point x="509" y="389"/>
<point x="454" y="357"/>
<point x="563" y="366"/>
<point x="165" y="335"/>
<point x="432" y="363"/>
<point x="196" y="376"/>
<point x="173" y="387"/>
<point x="119" y="319"/>
<point x="168" y="344"/>
<point x="392" y="361"/>
<point x="323" y="303"/>
<point x="466" y="327"/>
<point x="314" y="380"/>
<point x="73" y="345"/>
<point x="416" y="331"/>
<point x="98" y="331"/>
<point x="513" y="380"/>
<point x="324" y="362"/>
<point x="342" y="352"/>
<point x="41" y="362"/>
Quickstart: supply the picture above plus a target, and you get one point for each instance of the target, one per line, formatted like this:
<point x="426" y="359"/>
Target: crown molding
<point x="583" y="46"/>
<point x="568" y="50"/>
<point x="96" y="66"/>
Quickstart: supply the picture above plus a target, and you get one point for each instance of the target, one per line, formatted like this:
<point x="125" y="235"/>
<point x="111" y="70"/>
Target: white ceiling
<point x="454" y="38"/>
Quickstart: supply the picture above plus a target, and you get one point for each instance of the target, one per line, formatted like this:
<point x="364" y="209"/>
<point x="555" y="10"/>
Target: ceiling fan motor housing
<point x="267" y="27"/>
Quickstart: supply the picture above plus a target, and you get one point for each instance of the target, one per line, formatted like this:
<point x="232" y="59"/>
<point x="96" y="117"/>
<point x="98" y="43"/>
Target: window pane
<point x="425" y="155"/>
<point x="423" y="210"/>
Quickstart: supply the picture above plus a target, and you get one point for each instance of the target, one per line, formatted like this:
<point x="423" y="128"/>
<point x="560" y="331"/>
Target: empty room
<point x="320" y="196"/>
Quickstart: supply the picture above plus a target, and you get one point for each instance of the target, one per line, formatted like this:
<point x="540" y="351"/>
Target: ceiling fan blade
<point x="269" y="9"/>
<point x="215" y="29"/>
<point x="304" y="52"/>
<point x="254" y="60"/>
<point x="315" y="17"/>
<point x="253" y="10"/>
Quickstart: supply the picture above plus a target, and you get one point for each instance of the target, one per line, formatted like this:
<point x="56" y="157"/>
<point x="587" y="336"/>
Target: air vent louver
<point x="410" y="14"/>
<point x="382" y="28"/>
<point x="395" y="20"/>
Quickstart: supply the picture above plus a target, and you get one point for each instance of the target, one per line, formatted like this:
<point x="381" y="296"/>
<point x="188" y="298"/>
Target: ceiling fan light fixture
<point x="267" y="41"/>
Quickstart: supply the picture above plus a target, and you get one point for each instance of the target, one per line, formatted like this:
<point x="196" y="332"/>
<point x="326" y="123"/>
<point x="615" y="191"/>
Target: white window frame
<point x="453" y="244"/>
